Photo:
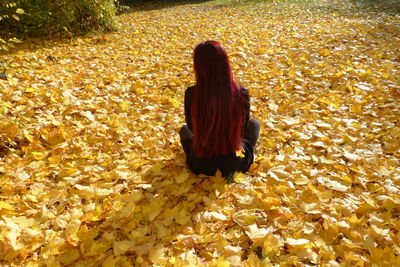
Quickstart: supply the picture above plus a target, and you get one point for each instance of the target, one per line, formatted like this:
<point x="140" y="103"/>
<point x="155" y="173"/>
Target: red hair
<point x="217" y="110"/>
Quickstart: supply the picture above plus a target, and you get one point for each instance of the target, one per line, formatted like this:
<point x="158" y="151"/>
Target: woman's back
<point x="216" y="139"/>
<point x="217" y="109"/>
<point x="217" y="116"/>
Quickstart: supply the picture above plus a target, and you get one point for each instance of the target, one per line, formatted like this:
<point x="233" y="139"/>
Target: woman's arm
<point x="246" y="97"/>
<point x="188" y="106"/>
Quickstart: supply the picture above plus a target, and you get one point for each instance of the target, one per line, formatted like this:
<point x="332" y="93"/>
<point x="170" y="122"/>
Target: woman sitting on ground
<point x="219" y="134"/>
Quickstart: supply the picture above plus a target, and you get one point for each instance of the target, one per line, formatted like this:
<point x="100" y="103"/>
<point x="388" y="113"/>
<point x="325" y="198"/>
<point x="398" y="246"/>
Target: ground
<point x="92" y="172"/>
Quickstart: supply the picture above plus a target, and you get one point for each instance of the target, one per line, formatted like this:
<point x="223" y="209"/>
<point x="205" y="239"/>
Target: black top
<point x="227" y="164"/>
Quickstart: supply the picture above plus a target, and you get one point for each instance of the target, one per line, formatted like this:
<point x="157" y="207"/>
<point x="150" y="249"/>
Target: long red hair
<point x="217" y="110"/>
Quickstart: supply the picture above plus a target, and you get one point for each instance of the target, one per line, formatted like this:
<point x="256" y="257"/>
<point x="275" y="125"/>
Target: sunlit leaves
<point x="92" y="172"/>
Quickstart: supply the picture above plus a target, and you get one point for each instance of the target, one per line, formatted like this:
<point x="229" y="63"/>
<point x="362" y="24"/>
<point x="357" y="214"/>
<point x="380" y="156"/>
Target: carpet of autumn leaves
<point x="92" y="172"/>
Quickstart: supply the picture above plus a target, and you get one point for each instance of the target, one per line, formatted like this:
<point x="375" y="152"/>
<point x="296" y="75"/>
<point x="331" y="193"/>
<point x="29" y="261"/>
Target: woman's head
<point x="211" y="61"/>
<point x="217" y="105"/>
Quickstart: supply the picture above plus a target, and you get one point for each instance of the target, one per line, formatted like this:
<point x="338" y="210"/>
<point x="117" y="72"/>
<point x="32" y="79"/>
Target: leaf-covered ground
<point x="92" y="172"/>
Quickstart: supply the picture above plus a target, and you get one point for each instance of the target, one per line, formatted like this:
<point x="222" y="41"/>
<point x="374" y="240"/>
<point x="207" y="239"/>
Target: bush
<point x="9" y="12"/>
<point x="49" y="16"/>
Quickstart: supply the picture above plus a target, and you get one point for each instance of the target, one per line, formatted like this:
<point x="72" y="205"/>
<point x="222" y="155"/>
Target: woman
<point x="217" y="115"/>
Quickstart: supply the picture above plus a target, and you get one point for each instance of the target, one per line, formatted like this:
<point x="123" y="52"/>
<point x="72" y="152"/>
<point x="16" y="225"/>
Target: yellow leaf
<point x="158" y="256"/>
<point x="54" y="159"/>
<point x="312" y="188"/>
<point x="182" y="217"/>
<point x="324" y="52"/>
<point x="297" y="242"/>
<point x="339" y="74"/>
<point x="238" y="177"/>
<point x="153" y="209"/>
<point x="183" y="176"/>
<point x="109" y="262"/>
<point x="240" y="154"/>
<point x="124" y="105"/>
<point x="278" y="173"/>
<point x="395" y="132"/>
<point x="218" y="174"/>
<point x="137" y="89"/>
<point x="351" y="257"/>
<point x="28" y="136"/>
<point x="270" y="203"/>
<point x="212" y="215"/>
<point x="120" y="247"/>
<point x="347" y="178"/>
<point x="245" y="217"/>
<point x="38" y="155"/>
<point x="19" y="11"/>
<point x="67" y="172"/>
<point x="387" y="203"/>
<point x="54" y="137"/>
<point x="6" y="206"/>
<point x="11" y="130"/>
<point x="69" y="257"/>
<point x="220" y="262"/>
<point x="357" y="108"/>
<point x="271" y="243"/>
<point x="30" y="90"/>
<point x="257" y="235"/>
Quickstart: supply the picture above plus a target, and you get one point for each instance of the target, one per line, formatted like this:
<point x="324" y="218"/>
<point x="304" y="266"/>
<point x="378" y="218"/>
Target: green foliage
<point x="46" y="17"/>
<point x="9" y="12"/>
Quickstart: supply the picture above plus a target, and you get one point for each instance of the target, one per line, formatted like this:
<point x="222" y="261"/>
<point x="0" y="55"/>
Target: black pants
<point x="227" y="164"/>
